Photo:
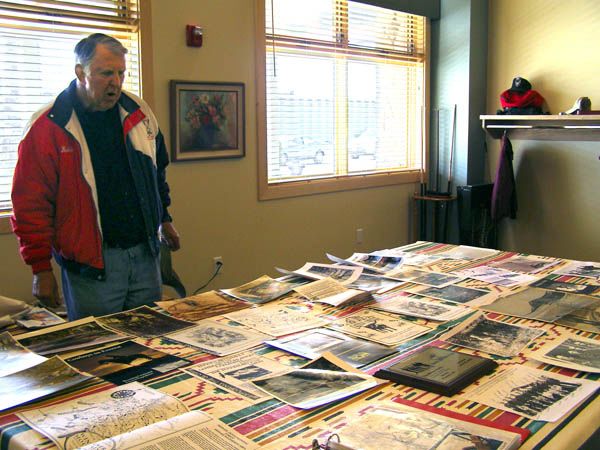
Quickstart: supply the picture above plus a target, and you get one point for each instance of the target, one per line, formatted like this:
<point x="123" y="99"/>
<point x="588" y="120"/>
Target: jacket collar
<point x="61" y="111"/>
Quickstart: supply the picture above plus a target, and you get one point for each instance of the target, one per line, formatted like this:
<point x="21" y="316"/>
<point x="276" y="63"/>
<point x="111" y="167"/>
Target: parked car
<point x="363" y="143"/>
<point x="301" y="150"/>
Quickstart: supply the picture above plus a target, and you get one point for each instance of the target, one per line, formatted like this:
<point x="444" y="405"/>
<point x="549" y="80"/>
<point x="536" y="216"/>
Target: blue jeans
<point x="132" y="279"/>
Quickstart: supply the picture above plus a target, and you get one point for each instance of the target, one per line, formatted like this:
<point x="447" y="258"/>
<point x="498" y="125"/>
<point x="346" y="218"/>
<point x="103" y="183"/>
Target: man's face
<point x="101" y="82"/>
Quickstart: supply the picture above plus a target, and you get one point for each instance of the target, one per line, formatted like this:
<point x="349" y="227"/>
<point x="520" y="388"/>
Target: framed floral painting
<point x="207" y="120"/>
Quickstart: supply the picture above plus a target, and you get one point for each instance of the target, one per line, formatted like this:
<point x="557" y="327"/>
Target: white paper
<point x="194" y="429"/>
<point x="277" y="320"/>
<point x="330" y="291"/>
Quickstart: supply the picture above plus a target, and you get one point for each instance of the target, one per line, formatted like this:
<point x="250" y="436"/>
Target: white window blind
<point x="344" y="89"/>
<point x="37" y="62"/>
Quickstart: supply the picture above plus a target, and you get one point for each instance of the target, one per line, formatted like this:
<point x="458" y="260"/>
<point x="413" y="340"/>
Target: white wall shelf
<point x="544" y="127"/>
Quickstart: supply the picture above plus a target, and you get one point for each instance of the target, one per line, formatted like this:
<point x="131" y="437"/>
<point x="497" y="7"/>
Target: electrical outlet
<point x="359" y="235"/>
<point x="218" y="262"/>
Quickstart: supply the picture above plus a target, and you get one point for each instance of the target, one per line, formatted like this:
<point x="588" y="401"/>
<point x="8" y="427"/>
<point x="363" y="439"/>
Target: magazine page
<point x="219" y="338"/>
<point x="261" y="290"/>
<point x="201" y="306"/>
<point x="194" y="429"/>
<point x="456" y="294"/>
<point x="331" y="292"/>
<point x="68" y="336"/>
<point x="14" y="356"/>
<point x="234" y="373"/>
<point x="277" y="320"/>
<point x="532" y="393"/>
<point x="48" y="377"/>
<point x="378" y="326"/>
<point x="85" y="420"/>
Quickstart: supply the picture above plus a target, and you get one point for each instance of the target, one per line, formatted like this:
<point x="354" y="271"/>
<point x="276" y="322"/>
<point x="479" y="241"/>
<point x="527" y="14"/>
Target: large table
<point x="276" y="425"/>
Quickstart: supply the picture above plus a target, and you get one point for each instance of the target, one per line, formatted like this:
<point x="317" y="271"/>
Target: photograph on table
<point x="580" y="269"/>
<point x="376" y="262"/>
<point x="585" y="319"/>
<point x="433" y="279"/>
<point x="14" y="357"/>
<point x="234" y="373"/>
<point x="126" y="362"/>
<point x="535" y="394"/>
<point x="48" y="377"/>
<point x="572" y="352"/>
<point x="219" y="338"/>
<point x="144" y="322"/>
<point x="201" y="306"/>
<point x="400" y="303"/>
<point x="540" y="304"/>
<point x="562" y="286"/>
<point x="79" y="334"/>
<point x="494" y="275"/>
<point x="313" y="343"/>
<point x="262" y="290"/>
<point x="316" y="271"/>
<point x="456" y="294"/>
<point x="525" y="263"/>
<point x="378" y="326"/>
<point x="39" y="318"/>
<point x="491" y="336"/>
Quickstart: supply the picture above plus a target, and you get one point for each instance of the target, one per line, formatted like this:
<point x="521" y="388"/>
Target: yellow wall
<point x="215" y="206"/>
<point x="553" y="44"/>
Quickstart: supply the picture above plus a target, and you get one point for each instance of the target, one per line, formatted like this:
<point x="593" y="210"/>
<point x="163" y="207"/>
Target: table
<point x="276" y="425"/>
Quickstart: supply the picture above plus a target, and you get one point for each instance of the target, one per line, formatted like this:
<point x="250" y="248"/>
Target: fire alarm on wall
<point x="193" y="35"/>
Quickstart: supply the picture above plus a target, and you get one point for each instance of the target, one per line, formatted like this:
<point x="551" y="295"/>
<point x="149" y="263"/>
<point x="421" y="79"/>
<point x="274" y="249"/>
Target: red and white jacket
<point x="55" y="204"/>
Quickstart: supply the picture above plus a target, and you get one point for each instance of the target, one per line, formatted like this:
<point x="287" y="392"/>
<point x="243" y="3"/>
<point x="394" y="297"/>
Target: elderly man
<point x="89" y="189"/>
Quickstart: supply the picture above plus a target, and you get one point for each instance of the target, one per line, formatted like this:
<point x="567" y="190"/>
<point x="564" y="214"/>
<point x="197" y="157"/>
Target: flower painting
<point x="207" y="120"/>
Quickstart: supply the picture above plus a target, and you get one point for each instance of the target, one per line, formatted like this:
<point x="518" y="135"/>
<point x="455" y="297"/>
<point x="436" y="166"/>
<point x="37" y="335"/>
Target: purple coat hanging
<point x="504" y="193"/>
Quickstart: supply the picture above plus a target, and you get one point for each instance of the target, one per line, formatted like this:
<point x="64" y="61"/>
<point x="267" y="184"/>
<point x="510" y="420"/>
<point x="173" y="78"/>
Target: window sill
<point x="5" y="227"/>
<point x="325" y="185"/>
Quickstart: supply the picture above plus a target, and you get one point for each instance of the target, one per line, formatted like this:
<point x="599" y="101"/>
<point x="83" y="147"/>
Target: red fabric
<point x="516" y="99"/>
<point x="52" y="203"/>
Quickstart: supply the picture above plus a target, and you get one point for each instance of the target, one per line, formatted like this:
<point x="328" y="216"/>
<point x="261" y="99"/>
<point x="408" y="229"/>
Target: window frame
<point x="270" y="191"/>
<point x="146" y="81"/>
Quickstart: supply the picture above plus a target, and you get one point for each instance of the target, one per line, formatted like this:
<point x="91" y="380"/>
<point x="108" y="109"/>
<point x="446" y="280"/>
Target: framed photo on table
<point x="207" y="120"/>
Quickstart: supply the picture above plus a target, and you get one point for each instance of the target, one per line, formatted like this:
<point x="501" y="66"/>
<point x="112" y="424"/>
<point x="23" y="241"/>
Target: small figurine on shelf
<point x="583" y="105"/>
<point x="521" y="99"/>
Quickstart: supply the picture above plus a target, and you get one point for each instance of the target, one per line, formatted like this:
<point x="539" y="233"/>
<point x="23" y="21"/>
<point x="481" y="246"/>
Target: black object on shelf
<point x="475" y="223"/>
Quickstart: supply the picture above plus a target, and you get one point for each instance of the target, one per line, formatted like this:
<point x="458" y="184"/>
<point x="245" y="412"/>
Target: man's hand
<point x="168" y="234"/>
<point x="45" y="288"/>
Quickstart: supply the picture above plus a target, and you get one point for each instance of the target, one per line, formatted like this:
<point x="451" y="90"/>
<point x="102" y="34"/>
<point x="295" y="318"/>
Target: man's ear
<point x="79" y="72"/>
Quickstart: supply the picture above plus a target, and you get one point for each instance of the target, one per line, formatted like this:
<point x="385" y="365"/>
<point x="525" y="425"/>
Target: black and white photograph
<point x="261" y="290"/>
<point x="455" y="294"/>
<point x="580" y="269"/>
<point x="585" y="319"/>
<point x="525" y="263"/>
<point x="491" y="336"/>
<point x="427" y="309"/>
<point x="308" y="388"/>
<point x="540" y="304"/>
<point x="14" y="357"/>
<point x="562" y="286"/>
<point x="47" y="377"/>
<point x="144" y="322"/>
<point x="80" y="334"/>
<point x="532" y="393"/>
<point x="219" y="338"/>
<point x="127" y="362"/>
<point x="575" y="353"/>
